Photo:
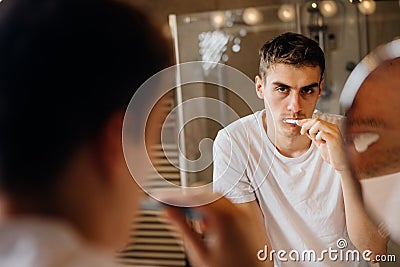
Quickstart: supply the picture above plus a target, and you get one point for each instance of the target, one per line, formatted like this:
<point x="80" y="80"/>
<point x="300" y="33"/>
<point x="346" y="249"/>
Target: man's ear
<point x="108" y="147"/>
<point x="259" y="87"/>
<point x="321" y="85"/>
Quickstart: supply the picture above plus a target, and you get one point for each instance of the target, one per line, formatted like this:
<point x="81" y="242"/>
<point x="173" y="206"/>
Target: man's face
<point x="376" y="109"/>
<point x="291" y="92"/>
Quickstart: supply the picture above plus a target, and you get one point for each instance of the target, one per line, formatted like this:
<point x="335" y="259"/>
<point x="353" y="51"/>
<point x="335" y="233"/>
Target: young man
<point x="68" y="69"/>
<point x="288" y="170"/>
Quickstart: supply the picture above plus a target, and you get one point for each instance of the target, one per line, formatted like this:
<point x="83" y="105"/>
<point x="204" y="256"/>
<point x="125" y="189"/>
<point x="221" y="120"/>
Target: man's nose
<point x="294" y="103"/>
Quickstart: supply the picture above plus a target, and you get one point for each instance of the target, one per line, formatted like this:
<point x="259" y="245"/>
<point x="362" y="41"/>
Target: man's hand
<point x="327" y="137"/>
<point x="227" y="241"/>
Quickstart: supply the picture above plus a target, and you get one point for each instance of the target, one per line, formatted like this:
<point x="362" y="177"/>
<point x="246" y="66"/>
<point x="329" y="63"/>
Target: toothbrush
<point x="291" y="121"/>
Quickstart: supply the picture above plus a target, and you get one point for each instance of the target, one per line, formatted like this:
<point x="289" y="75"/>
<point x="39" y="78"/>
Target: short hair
<point x="293" y="49"/>
<point x="65" y="67"/>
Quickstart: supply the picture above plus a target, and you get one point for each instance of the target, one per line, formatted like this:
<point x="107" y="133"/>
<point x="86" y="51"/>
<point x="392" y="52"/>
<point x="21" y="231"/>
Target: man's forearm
<point x="362" y="231"/>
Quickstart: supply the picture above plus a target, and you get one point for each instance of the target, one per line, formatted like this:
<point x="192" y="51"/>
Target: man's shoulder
<point x="242" y="133"/>
<point x="245" y="124"/>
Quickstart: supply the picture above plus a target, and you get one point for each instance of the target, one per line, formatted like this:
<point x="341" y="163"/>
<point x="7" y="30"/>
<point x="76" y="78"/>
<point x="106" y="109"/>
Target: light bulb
<point x="286" y="13"/>
<point x="252" y="16"/>
<point x="328" y="8"/>
<point x="218" y="19"/>
<point x="367" y="7"/>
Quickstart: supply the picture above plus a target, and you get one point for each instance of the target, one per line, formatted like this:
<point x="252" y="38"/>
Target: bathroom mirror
<point x="345" y="31"/>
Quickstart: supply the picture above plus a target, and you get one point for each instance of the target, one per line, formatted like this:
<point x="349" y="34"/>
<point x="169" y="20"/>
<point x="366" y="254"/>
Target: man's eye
<point x="308" y="91"/>
<point x="281" y="89"/>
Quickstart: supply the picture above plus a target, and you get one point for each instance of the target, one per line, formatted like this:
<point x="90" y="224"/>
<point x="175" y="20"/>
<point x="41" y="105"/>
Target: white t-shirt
<point x="300" y="198"/>
<point x="34" y="242"/>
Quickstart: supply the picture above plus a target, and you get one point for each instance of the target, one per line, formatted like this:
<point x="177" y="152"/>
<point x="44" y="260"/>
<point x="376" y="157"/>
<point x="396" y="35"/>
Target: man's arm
<point x="362" y="231"/>
<point x="256" y="222"/>
<point x="233" y="236"/>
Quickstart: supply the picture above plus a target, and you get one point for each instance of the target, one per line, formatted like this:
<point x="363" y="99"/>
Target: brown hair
<point x="66" y="66"/>
<point x="293" y="49"/>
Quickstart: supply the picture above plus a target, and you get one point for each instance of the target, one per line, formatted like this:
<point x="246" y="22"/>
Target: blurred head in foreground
<point x="68" y="69"/>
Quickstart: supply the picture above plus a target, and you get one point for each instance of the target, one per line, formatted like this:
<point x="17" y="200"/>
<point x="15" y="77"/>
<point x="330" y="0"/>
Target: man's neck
<point x="292" y="147"/>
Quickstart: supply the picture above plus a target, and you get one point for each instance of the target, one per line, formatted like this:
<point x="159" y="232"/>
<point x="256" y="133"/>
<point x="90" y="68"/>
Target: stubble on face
<point x="376" y="109"/>
<point x="295" y="79"/>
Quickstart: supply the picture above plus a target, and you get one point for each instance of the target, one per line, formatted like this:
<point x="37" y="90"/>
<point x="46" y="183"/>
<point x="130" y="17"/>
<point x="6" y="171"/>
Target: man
<point x="68" y="69"/>
<point x="286" y="169"/>
<point x="377" y="164"/>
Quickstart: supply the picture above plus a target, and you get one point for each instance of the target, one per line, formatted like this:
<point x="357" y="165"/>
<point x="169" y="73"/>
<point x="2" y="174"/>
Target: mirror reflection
<point x="345" y="31"/>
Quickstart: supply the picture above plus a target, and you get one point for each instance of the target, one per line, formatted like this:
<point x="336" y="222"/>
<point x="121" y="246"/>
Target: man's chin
<point x="291" y="132"/>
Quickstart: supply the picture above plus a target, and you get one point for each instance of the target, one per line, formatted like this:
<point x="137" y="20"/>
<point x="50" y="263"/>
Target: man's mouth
<point x="291" y="121"/>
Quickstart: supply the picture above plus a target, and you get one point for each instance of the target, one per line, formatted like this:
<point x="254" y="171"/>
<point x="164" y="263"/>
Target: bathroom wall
<point x="355" y="34"/>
